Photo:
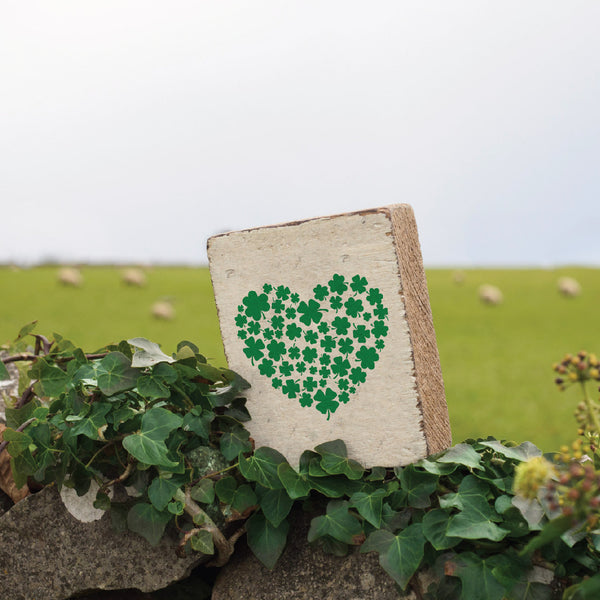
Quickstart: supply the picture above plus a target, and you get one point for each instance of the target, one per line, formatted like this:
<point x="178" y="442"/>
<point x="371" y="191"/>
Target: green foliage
<point x="172" y="428"/>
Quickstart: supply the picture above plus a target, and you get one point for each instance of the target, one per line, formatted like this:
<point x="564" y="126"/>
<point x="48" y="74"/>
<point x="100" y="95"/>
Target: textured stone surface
<point x="46" y="554"/>
<point x="304" y="573"/>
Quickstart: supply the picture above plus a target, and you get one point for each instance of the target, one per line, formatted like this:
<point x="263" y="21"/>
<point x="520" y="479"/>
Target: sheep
<point x="569" y="287"/>
<point x="163" y="309"/>
<point x="70" y="276"/>
<point x="458" y="277"/>
<point x="490" y="294"/>
<point x="133" y="277"/>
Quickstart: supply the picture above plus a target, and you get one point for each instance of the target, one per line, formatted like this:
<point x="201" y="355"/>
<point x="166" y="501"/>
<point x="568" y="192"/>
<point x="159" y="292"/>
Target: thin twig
<point x="27" y="357"/>
<point x="27" y="395"/>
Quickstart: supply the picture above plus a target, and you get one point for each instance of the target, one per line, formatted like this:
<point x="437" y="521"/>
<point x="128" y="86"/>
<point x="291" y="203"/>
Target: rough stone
<point x="47" y="554"/>
<point x="304" y="573"/>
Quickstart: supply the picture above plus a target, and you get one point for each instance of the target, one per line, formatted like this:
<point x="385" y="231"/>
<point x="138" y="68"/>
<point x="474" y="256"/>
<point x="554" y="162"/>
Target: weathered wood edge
<point x="430" y="384"/>
<point x="366" y="211"/>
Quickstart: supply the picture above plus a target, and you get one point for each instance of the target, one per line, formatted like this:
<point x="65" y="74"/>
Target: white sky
<point x="131" y="131"/>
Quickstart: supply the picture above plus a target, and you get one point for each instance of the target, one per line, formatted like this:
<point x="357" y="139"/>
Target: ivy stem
<point x="98" y="452"/>
<point x="27" y="357"/>
<point x="223" y="546"/>
<point x="590" y="407"/>
<point x="210" y="475"/>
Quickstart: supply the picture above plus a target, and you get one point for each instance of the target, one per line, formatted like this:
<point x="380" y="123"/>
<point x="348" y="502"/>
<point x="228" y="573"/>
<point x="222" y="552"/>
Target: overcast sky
<point x="132" y="131"/>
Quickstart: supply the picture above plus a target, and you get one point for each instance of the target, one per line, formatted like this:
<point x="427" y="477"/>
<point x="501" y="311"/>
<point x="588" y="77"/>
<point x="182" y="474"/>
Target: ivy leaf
<point x="462" y="454"/>
<point x="52" y="381"/>
<point x="523" y="452"/>
<point x="154" y="385"/>
<point x="266" y="541"/>
<point x="586" y="590"/>
<point x="435" y="527"/>
<point x="18" y="441"/>
<point x="4" y="374"/>
<point x="234" y="441"/>
<point x="335" y="461"/>
<point x="337" y="522"/>
<point x="22" y="466"/>
<point x="295" y="484"/>
<point x="417" y="485"/>
<point x="199" y="422"/>
<point x="335" y="486"/>
<point x="225" y="489"/>
<point x="477" y="578"/>
<point x="262" y="467"/>
<point x="148" y="446"/>
<point x="91" y="425"/>
<point x="276" y="505"/>
<point x="148" y="354"/>
<point x="239" y="498"/>
<point x="115" y="374"/>
<point x="204" y="491"/>
<point x="369" y="506"/>
<point x="399" y="555"/>
<point x="476" y="516"/>
<point x="148" y="522"/>
<point x="161" y="491"/>
<point x="18" y="416"/>
<point x="203" y="542"/>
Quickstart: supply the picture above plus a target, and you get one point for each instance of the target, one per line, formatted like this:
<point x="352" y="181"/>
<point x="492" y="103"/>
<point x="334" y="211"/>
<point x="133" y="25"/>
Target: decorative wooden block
<point x="329" y="320"/>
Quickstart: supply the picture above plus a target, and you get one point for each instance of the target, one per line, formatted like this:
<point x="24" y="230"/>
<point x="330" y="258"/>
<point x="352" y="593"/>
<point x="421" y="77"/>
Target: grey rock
<point x="10" y="387"/>
<point x="47" y="554"/>
<point x="304" y="573"/>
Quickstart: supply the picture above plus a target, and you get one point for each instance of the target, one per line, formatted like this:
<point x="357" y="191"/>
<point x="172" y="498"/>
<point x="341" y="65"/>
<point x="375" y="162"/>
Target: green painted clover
<point x="318" y="350"/>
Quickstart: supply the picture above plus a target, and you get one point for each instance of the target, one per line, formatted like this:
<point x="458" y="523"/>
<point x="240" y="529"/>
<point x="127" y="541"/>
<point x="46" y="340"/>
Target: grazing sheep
<point x="458" y="277"/>
<point x="164" y="310"/>
<point x="490" y="294"/>
<point x="133" y="277"/>
<point x="70" y="276"/>
<point x="569" y="287"/>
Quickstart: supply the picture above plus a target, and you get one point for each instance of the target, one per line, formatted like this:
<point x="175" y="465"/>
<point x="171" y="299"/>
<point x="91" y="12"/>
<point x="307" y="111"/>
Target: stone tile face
<point x="329" y="321"/>
<point x="47" y="554"/>
<point x="304" y="573"/>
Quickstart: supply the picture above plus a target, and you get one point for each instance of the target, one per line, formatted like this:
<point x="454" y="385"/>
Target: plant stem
<point x="210" y="475"/>
<point x="98" y="452"/>
<point x="590" y="407"/>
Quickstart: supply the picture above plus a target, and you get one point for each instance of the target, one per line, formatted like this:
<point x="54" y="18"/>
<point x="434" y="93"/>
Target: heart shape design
<point x="316" y="351"/>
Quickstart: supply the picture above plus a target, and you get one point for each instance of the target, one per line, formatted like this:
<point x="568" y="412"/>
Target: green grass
<point x="104" y="310"/>
<point x="496" y="361"/>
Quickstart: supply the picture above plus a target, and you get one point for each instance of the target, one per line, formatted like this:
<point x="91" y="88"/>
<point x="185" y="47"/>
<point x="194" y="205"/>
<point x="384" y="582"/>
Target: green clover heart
<point x="316" y="351"/>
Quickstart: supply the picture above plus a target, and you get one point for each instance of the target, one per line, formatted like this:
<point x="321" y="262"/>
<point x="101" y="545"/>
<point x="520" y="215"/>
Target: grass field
<point x="496" y="361"/>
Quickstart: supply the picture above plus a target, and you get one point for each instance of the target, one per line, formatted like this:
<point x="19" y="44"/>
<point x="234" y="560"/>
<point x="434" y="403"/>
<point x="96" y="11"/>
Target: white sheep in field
<point x="70" y="276"/>
<point x="569" y="287"/>
<point x="490" y="294"/>
<point x="133" y="277"/>
<point x="163" y="309"/>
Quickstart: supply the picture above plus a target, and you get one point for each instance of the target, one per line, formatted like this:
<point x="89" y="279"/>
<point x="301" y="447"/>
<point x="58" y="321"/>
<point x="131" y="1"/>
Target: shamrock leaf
<point x="255" y="305"/>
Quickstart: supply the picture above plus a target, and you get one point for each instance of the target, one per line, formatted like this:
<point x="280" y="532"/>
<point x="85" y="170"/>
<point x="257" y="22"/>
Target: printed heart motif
<point x="316" y="351"/>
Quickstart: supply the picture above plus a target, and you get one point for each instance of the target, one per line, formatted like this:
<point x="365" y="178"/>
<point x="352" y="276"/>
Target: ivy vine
<point x="163" y="437"/>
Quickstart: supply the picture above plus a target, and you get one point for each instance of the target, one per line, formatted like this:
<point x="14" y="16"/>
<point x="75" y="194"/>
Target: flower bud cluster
<point x="576" y="493"/>
<point x="580" y="367"/>
<point x="533" y="475"/>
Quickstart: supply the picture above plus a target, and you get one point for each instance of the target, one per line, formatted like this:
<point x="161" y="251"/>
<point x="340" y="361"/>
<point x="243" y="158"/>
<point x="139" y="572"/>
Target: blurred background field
<point x="496" y="360"/>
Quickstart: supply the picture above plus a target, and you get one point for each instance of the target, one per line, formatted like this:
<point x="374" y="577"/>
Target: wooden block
<point x="329" y="320"/>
